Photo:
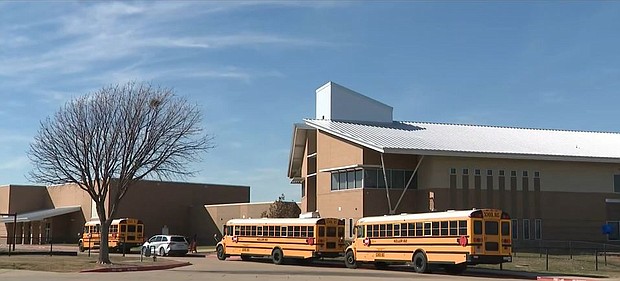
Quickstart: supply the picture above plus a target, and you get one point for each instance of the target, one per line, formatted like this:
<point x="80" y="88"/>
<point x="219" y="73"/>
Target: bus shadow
<point x="404" y="268"/>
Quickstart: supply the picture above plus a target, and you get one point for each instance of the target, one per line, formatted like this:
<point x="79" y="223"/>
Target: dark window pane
<point x="342" y="180"/>
<point x="370" y="178"/>
<point x="359" y="174"/>
<point x="334" y="181"/>
<point x="615" y="230"/>
<point x="444" y="228"/>
<point x="380" y="179"/>
<point x="462" y="227"/>
<point x="398" y="179"/>
<point x="491" y="228"/>
<point x="454" y="230"/>
<point x="477" y="227"/>
<point x="505" y="228"/>
<point x="616" y="183"/>
<point x="350" y="179"/>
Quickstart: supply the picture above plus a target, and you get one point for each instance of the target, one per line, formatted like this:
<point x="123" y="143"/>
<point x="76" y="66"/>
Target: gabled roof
<point x="297" y="151"/>
<point x="41" y="214"/>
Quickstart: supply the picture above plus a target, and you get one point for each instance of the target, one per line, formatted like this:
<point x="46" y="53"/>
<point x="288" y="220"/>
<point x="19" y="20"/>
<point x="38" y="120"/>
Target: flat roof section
<point x="41" y="214"/>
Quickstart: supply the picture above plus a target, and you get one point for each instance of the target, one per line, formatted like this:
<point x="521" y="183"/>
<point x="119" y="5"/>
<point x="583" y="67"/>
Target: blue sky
<point x="253" y="68"/>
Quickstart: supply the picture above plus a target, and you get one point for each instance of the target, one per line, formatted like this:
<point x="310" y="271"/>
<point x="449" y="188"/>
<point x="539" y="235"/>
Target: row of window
<point x="372" y="178"/>
<point x="286" y="231"/>
<point x="525" y="226"/>
<point x="443" y="228"/>
<point x="435" y="228"/>
<point x="478" y="172"/>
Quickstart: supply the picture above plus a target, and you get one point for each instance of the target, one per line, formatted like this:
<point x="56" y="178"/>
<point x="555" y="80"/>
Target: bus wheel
<point x="276" y="256"/>
<point x="245" y="257"/>
<point x="456" y="268"/>
<point x="349" y="259"/>
<point x="420" y="264"/>
<point x="220" y="253"/>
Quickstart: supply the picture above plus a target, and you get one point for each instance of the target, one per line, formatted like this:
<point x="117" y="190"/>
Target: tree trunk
<point x="105" y="222"/>
<point x="104" y="251"/>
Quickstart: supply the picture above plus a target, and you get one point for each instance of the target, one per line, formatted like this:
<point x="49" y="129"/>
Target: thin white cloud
<point x="18" y="163"/>
<point x="110" y="32"/>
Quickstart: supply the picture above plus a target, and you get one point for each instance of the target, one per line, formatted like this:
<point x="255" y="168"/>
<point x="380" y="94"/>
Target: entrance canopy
<point x="41" y="214"/>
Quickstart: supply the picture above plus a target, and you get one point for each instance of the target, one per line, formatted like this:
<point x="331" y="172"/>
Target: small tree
<point x="282" y="209"/>
<point x="107" y="141"/>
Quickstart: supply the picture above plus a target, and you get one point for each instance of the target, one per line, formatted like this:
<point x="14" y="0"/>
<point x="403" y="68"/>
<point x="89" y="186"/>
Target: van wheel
<point x="220" y="253"/>
<point x="162" y="252"/>
<point x="420" y="263"/>
<point x="276" y="256"/>
<point x="349" y="260"/>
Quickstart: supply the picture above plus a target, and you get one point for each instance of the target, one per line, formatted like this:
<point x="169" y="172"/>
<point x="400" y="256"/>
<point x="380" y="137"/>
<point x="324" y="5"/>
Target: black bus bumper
<point x="487" y="259"/>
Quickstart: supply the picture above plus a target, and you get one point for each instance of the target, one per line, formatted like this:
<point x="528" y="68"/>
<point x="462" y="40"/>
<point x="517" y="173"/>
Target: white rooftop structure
<point x="335" y="102"/>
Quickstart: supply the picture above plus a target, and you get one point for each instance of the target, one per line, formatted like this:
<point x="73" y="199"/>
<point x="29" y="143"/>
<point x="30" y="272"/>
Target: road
<point x="209" y="268"/>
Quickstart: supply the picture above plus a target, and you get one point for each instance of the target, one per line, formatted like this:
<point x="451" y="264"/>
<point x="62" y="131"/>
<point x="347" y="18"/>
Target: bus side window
<point x="259" y="231"/>
<point x="454" y="230"/>
<point x="360" y="231"/>
<point x="311" y="231"/>
<point x="462" y="227"/>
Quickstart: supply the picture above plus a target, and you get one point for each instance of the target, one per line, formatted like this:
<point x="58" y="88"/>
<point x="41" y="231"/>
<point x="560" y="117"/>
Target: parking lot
<point x="210" y="268"/>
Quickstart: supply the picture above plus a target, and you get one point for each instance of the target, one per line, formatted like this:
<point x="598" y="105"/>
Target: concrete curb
<point x="137" y="268"/>
<point x="562" y="278"/>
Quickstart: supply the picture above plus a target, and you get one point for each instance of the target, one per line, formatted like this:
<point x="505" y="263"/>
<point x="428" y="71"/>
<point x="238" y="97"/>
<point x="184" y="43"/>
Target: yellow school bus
<point x="124" y="234"/>
<point x="280" y="239"/>
<point x="451" y="239"/>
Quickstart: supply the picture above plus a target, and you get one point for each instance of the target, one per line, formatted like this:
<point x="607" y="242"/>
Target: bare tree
<point x="107" y="141"/>
<point x="282" y="209"/>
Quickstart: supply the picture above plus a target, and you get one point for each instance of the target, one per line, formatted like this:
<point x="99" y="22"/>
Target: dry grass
<point x="583" y="265"/>
<point x="70" y="263"/>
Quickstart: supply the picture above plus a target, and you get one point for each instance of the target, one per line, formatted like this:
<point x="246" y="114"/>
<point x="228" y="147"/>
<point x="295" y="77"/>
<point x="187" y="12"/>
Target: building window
<point x="501" y="172"/>
<point x="614" y="234"/>
<point x="465" y="171"/>
<point x="350" y="179"/>
<point x="526" y="229"/>
<point x="370" y="178"/>
<point x="616" y="183"/>
<point x="515" y="229"/>
<point x="453" y="171"/>
<point x="303" y="189"/>
<point x="537" y="174"/>
<point x="538" y="229"/>
<point x="335" y="184"/>
<point x="489" y="172"/>
<point x="477" y="172"/>
<point x="525" y="173"/>
<point x="513" y="173"/>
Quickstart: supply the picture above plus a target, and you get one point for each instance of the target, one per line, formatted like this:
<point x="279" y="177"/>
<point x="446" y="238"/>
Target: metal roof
<point x="41" y="214"/>
<point x="476" y="141"/>
<point x="422" y="216"/>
